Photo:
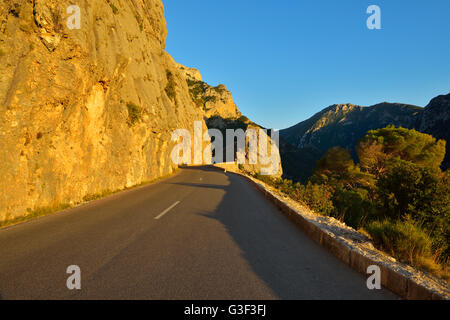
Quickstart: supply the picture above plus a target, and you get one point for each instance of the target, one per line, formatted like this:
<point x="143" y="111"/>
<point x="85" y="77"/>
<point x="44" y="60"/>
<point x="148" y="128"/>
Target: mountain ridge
<point x="344" y="124"/>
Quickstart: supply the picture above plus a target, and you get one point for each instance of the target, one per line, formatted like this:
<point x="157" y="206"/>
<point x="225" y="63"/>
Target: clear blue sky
<point x="286" y="60"/>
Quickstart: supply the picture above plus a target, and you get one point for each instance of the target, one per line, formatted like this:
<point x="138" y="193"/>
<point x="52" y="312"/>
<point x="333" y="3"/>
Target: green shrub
<point x="197" y="90"/>
<point x="114" y="8"/>
<point x="422" y="193"/>
<point x="398" y="182"/>
<point x="440" y="233"/>
<point x="315" y="196"/>
<point x="219" y="89"/>
<point x="134" y="113"/>
<point x="400" y="143"/>
<point x="209" y="99"/>
<point x="404" y="240"/>
<point x="352" y="207"/>
<point x="171" y="85"/>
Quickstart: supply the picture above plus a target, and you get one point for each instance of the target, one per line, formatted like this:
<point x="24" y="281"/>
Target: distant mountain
<point x="435" y="120"/>
<point x="298" y="163"/>
<point x="344" y="125"/>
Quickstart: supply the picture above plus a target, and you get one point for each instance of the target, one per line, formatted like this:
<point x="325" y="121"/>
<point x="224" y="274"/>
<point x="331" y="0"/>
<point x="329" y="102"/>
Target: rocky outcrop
<point x="190" y="73"/>
<point x="91" y="110"/>
<point x="221" y="113"/>
<point x="88" y="110"/>
<point x="214" y="101"/>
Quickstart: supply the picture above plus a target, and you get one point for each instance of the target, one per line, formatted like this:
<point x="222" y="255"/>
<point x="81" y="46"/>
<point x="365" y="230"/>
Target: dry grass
<point x="408" y="243"/>
<point x="43" y="211"/>
<point x="39" y="212"/>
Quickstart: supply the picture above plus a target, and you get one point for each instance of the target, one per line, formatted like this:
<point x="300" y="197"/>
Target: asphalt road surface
<point x="201" y="234"/>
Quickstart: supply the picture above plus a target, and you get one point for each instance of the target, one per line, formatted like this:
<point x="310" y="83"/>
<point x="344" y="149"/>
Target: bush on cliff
<point x="134" y="113"/>
<point x="171" y="85"/>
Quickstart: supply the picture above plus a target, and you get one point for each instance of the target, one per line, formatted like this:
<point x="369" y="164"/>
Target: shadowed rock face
<point x="83" y="111"/>
<point x="435" y="120"/>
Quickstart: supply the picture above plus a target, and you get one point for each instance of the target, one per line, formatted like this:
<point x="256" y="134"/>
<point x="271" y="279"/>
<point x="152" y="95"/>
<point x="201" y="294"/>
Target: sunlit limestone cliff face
<point x="220" y="112"/>
<point x="214" y="101"/>
<point x="91" y="109"/>
<point x="85" y="110"/>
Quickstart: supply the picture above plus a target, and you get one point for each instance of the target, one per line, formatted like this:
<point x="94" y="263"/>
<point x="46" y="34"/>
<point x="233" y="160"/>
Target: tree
<point x="397" y="191"/>
<point x="353" y="207"/>
<point x="337" y="169"/>
<point x="315" y="196"/>
<point x="379" y="147"/>
<point x="423" y="194"/>
<point x="372" y="157"/>
<point x="402" y="188"/>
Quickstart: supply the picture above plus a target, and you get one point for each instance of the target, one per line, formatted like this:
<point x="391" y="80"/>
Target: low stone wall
<point x="356" y="250"/>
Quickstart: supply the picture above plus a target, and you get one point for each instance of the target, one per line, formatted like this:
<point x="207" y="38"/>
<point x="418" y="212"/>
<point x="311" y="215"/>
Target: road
<point x="201" y="234"/>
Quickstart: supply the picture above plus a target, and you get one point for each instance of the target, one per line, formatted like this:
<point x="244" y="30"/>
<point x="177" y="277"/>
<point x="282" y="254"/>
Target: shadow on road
<point x="290" y="263"/>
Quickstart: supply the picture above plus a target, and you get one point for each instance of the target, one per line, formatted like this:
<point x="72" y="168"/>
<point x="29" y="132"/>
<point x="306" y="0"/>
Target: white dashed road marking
<point x="167" y="210"/>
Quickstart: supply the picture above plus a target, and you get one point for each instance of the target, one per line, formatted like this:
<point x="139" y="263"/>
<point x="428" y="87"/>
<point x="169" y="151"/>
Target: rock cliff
<point x="214" y="101"/>
<point x="220" y="112"/>
<point x="85" y="110"/>
<point x="88" y="110"/>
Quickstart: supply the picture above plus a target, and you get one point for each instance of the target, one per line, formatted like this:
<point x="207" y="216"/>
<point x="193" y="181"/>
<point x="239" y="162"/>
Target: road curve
<point x="201" y="234"/>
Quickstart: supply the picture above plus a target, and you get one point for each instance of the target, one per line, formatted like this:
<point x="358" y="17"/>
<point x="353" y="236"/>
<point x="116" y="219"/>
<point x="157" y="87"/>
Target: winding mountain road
<point x="201" y="234"/>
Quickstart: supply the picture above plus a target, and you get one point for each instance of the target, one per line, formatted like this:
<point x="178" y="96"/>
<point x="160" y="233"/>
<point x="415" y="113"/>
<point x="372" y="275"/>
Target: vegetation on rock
<point x="171" y="85"/>
<point x="134" y="113"/>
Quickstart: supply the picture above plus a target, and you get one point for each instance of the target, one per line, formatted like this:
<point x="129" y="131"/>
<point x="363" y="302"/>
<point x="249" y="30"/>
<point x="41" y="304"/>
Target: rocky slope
<point x="89" y="110"/>
<point x="220" y="112"/>
<point x="214" y="101"/>
<point x="344" y="124"/>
